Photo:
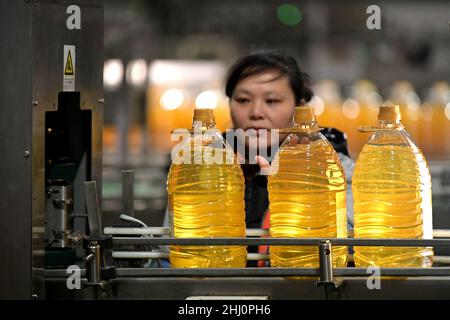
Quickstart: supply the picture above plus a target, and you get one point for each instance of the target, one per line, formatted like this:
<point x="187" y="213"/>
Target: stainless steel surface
<point x="58" y="208"/>
<point x="50" y="37"/>
<point x="325" y="262"/>
<point x="282" y="283"/>
<point x="139" y="255"/>
<point x="16" y="98"/>
<point x="252" y="232"/>
<point x="441" y="233"/>
<point x="441" y="260"/>
<point x="166" y="231"/>
<point x="275" y="283"/>
<point x="93" y="261"/>
<point x="280" y="288"/>
<point x="256" y="232"/>
<point x="89" y="257"/>
<point x="128" y="192"/>
<point x="283" y="241"/>
<point x="33" y="36"/>
<point x="93" y="209"/>
<point x="133" y="285"/>
<point x="136" y="231"/>
<point x="165" y="255"/>
<point x="276" y="272"/>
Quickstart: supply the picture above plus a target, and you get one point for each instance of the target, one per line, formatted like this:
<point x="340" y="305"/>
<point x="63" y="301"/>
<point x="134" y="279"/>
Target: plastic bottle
<point x="436" y="121"/>
<point x="404" y="95"/>
<point x="327" y="103"/>
<point x="392" y="195"/>
<point x="366" y="99"/>
<point x="206" y="197"/>
<point x="306" y="194"/>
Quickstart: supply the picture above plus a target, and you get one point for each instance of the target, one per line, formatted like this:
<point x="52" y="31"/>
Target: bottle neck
<point x="304" y="118"/>
<point x="203" y="119"/>
<point x="307" y="126"/>
<point x="201" y="125"/>
<point x="390" y="124"/>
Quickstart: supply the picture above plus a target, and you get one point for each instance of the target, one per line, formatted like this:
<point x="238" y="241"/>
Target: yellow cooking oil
<point x="206" y="198"/>
<point x="306" y="194"/>
<point x="392" y="195"/>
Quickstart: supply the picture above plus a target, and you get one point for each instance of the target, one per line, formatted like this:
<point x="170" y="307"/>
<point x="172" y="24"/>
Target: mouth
<point x="257" y="130"/>
<point x="253" y="131"/>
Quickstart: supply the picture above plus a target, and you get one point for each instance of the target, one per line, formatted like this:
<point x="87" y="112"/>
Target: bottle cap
<point x="389" y="113"/>
<point x="206" y="116"/>
<point x="304" y="114"/>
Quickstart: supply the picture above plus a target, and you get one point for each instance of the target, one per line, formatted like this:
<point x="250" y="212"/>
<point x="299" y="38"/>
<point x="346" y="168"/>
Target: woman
<point x="263" y="89"/>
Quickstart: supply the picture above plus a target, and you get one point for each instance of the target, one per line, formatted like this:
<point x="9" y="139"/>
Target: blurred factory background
<point x="164" y="57"/>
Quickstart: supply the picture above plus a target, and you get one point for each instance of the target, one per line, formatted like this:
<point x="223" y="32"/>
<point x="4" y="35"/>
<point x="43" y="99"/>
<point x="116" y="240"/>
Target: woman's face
<point x="262" y="101"/>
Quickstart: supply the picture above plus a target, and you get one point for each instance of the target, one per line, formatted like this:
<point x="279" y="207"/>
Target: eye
<point x="241" y="100"/>
<point x="272" y="101"/>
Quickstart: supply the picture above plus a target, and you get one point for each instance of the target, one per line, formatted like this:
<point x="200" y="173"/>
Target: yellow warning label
<point x="68" y="69"/>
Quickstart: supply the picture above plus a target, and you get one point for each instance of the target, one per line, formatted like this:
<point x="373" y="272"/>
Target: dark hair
<point x="262" y="61"/>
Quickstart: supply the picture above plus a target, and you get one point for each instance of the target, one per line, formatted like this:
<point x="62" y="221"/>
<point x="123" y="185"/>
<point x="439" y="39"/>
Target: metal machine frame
<point x="324" y="282"/>
<point x="34" y="33"/>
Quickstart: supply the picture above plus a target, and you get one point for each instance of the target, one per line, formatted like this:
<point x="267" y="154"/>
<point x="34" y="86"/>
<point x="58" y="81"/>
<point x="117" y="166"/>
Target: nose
<point x="256" y="111"/>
